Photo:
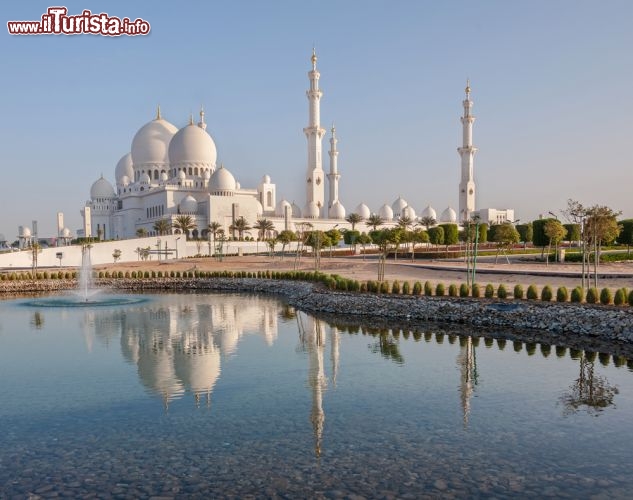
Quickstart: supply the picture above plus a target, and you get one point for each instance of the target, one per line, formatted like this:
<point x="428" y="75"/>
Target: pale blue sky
<point x="550" y="82"/>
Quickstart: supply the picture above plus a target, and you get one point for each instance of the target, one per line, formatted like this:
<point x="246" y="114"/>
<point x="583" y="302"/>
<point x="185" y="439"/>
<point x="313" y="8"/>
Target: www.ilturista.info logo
<point x="56" y="21"/>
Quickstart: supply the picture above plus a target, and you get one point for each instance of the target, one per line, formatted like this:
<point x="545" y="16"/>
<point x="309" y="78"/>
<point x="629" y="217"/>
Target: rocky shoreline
<point x="594" y="327"/>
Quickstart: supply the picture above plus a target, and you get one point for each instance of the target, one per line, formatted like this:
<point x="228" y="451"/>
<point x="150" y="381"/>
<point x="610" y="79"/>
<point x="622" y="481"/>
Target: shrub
<point x="631" y="298"/>
<point x="476" y="290"/>
<point x="464" y="291"/>
<point x="384" y="287"/>
<point x="146" y="274"/>
<point x="417" y="288"/>
<point x="605" y="296"/>
<point x="428" y="288"/>
<point x="576" y="295"/>
<point x="120" y="274"/>
<point x="561" y="294"/>
<point x="620" y="296"/>
<point x="133" y="274"/>
<point x="101" y="275"/>
<point x="355" y="286"/>
<point x="406" y="288"/>
<point x="452" y="290"/>
<point x="331" y="283"/>
<point x="592" y="295"/>
<point x="159" y="274"/>
<point x="363" y="287"/>
<point x="67" y="275"/>
<point x="502" y="293"/>
<point x="518" y="291"/>
<point x="395" y="288"/>
<point x="489" y="292"/>
<point x="546" y="293"/>
<point x="532" y="292"/>
<point x="439" y="290"/>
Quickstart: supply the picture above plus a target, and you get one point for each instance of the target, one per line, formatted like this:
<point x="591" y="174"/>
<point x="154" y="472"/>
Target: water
<point x="211" y="396"/>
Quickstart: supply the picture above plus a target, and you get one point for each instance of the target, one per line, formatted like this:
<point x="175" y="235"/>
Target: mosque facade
<point x="171" y="172"/>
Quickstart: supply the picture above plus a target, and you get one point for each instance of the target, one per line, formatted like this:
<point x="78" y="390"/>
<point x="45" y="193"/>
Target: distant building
<point x="493" y="216"/>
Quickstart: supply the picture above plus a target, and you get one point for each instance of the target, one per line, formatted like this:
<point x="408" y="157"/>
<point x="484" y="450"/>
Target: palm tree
<point x="354" y="219"/>
<point x="185" y="223"/>
<point x="374" y="221"/>
<point x="264" y="228"/>
<point x="240" y="225"/>
<point x="162" y="226"/>
<point x="427" y="221"/>
<point x="141" y="232"/>
<point x="405" y="222"/>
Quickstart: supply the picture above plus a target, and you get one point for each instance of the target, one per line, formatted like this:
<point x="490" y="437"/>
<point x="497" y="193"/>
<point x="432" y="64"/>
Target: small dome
<point x="102" y="189"/>
<point x="398" y="205"/>
<point x="448" y="215"/>
<point x="408" y="212"/>
<point x="429" y="211"/>
<point x="145" y="179"/>
<point x="363" y="211"/>
<point x="150" y="144"/>
<point x="266" y="179"/>
<point x="124" y="168"/>
<point x="311" y="211"/>
<point x="337" y="211"/>
<point x="124" y="181"/>
<point x="207" y="175"/>
<point x="386" y="213"/>
<point x="280" y="209"/>
<point x="296" y="211"/>
<point x="164" y="177"/>
<point x="238" y="185"/>
<point x="188" y="205"/>
<point x="25" y="232"/>
<point x="181" y="175"/>
<point x="222" y="182"/>
<point x="192" y="146"/>
<point x="66" y="233"/>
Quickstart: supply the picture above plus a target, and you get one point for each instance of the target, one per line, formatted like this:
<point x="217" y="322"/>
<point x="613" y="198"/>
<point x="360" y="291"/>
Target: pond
<point x="224" y="395"/>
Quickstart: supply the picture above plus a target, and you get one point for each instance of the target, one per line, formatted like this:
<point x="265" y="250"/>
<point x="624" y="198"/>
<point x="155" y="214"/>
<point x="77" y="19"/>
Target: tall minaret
<point x="467" y="152"/>
<point x="333" y="176"/>
<point x="314" y="133"/>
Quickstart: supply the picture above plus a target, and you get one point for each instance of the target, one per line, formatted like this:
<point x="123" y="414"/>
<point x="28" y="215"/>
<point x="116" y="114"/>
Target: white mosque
<point x="171" y="172"/>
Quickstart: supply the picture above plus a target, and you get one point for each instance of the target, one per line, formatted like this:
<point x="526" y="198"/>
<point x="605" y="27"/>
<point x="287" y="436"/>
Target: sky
<point x="551" y="84"/>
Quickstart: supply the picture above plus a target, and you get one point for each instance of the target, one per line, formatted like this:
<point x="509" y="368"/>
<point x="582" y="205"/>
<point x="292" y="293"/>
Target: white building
<point x="493" y="216"/>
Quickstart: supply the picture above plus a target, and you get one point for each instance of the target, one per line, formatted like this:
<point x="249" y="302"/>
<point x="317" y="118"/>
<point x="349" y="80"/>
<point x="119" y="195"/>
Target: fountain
<point x="86" y="294"/>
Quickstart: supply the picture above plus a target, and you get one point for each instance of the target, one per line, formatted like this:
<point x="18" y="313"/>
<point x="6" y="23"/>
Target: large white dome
<point x="429" y="211"/>
<point x="449" y="216"/>
<point x="337" y="211"/>
<point x="385" y="212"/>
<point x="188" y="205"/>
<point x="102" y="189"/>
<point x="398" y="206"/>
<point x="280" y="209"/>
<point x="192" y="146"/>
<point x="311" y="211"/>
<point x="408" y="212"/>
<point x="222" y="182"/>
<point x="363" y="211"/>
<point x="150" y="144"/>
<point x="124" y="167"/>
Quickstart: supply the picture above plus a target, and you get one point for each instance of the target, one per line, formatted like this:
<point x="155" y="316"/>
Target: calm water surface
<point x="216" y="396"/>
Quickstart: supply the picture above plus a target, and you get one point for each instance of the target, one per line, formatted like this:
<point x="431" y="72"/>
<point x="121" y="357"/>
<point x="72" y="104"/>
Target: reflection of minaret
<point x="334" y="341"/>
<point x="468" y="368"/>
<point x="317" y="380"/>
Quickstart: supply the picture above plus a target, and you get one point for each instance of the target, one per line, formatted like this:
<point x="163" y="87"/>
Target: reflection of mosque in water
<point x="178" y="345"/>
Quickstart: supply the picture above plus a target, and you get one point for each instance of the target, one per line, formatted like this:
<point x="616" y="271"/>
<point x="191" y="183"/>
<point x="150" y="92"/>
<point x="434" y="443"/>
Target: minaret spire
<point x="315" y="189"/>
<point x="467" y="152"/>
<point x="158" y="115"/>
<point x="333" y="176"/>
<point x="201" y="123"/>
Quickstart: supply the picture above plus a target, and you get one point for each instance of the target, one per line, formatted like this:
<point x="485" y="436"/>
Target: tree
<point x="241" y="226"/>
<point x="264" y="228"/>
<point x="436" y="235"/>
<point x="374" y="221"/>
<point x="141" y="232"/>
<point x="626" y="234"/>
<point x="350" y="237"/>
<point x="555" y="232"/>
<point x="451" y="234"/>
<point x="354" y="219"/>
<point x="505" y="235"/>
<point x="483" y="233"/>
<point x="572" y="232"/>
<point x="285" y="237"/>
<point x="418" y="236"/>
<point x="601" y="228"/>
<point x="526" y="233"/>
<point x="539" y="238"/>
<point x="116" y="255"/>
<point x="334" y="236"/>
<point x="162" y="226"/>
<point x="384" y="239"/>
<point x="405" y="222"/>
<point x="364" y="239"/>
<point x="185" y="224"/>
<point x="427" y="221"/>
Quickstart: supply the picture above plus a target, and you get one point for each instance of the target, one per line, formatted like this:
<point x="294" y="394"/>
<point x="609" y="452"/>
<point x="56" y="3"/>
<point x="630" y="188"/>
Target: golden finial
<point x="333" y="128"/>
<point x="468" y="86"/>
<point x="202" y="114"/>
<point x="314" y="57"/>
<point x="158" y="115"/>
<point x="190" y="118"/>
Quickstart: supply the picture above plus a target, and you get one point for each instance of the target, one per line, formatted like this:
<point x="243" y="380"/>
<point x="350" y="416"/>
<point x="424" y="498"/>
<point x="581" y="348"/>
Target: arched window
<point x="269" y="198"/>
<point x="195" y="171"/>
<point x="190" y="171"/>
<point x="155" y="175"/>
